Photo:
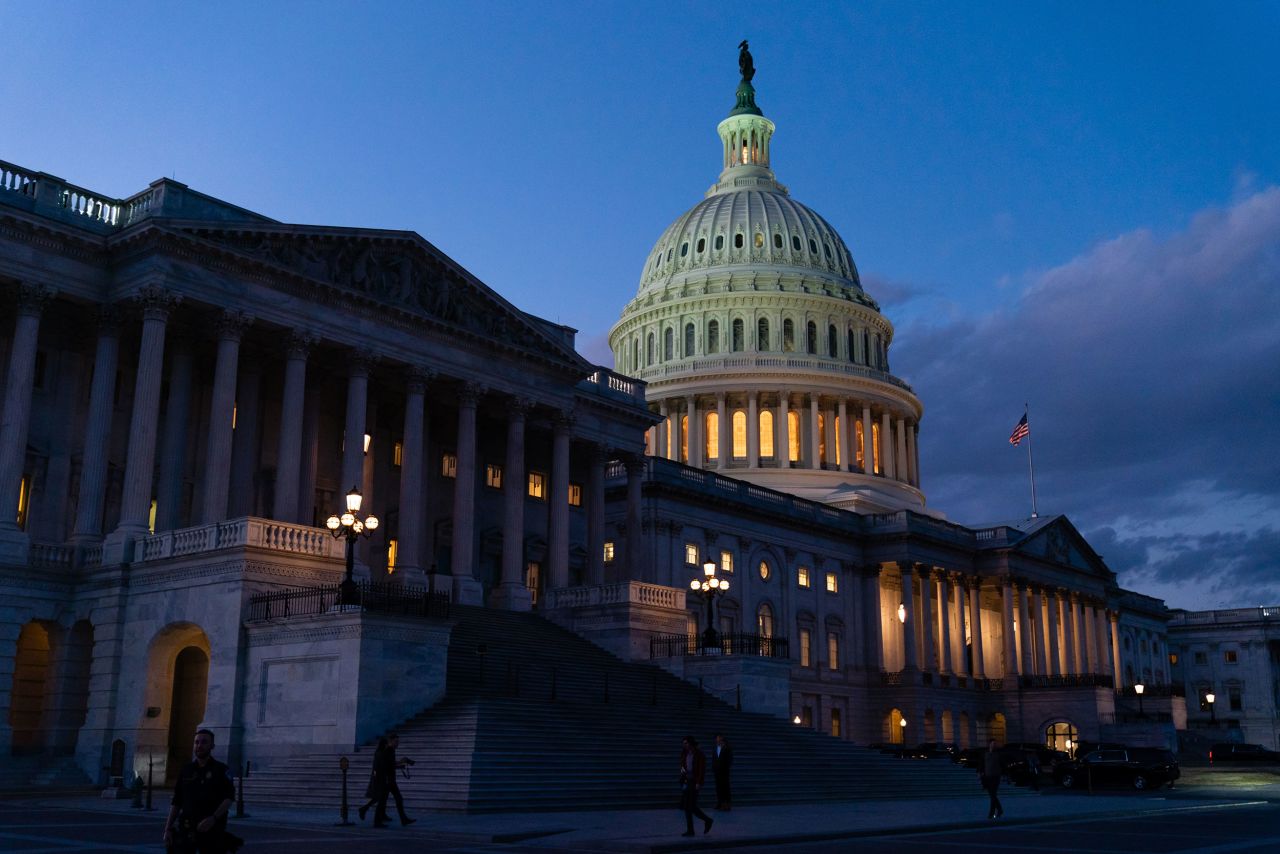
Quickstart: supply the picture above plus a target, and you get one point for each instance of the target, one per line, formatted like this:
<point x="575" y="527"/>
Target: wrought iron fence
<point x="1178" y="690"/>
<point x="727" y="643"/>
<point x="374" y="597"/>
<point x="1066" y="680"/>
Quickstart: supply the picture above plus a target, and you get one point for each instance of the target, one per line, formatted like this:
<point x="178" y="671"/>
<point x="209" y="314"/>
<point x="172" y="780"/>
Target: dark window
<point x="812" y="336"/>
<point x="713" y="337"/>
<point x="849" y="343"/>
<point x="737" y="336"/>
<point x="777" y="241"/>
<point x="737" y="240"/>
<point x="649" y="360"/>
<point x="688" y="340"/>
<point x="833" y="342"/>
<point x="1233" y="696"/>
<point x="795" y="242"/>
<point x="684" y="249"/>
<point x="788" y="336"/>
<point x="827" y="248"/>
<point x="702" y="244"/>
<point x="762" y="335"/>
<point x="813" y="246"/>
<point x="668" y="344"/>
<point x="1231" y="656"/>
<point x="719" y="241"/>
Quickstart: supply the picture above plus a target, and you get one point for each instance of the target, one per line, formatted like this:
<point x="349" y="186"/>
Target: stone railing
<point x="49" y="191"/>
<point x="50" y="556"/>
<point x="632" y="592"/>
<point x="1229" y="615"/>
<point x="92" y="555"/>
<point x="605" y="381"/>
<point x="246" y="532"/>
<point x="767" y="362"/>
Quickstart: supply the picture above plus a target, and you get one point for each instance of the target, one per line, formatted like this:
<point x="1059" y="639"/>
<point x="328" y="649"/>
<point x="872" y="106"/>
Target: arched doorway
<point x="1062" y="735"/>
<point x="998" y="728"/>
<point x="963" y="736"/>
<point x="30" y="682"/>
<point x="190" y="683"/>
<point x="896" y="726"/>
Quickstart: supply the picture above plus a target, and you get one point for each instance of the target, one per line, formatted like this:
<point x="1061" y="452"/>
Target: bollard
<point x="244" y="772"/>
<point x="343" y="764"/>
<point x="150" y="765"/>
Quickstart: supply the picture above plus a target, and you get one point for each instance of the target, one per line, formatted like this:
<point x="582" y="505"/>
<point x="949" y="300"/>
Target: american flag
<point x="1020" y="432"/>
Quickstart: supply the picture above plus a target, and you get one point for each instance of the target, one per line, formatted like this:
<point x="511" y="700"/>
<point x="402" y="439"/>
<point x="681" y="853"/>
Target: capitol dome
<point x="761" y="351"/>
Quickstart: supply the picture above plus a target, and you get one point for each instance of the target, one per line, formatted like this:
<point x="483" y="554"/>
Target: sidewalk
<point x="659" y="831"/>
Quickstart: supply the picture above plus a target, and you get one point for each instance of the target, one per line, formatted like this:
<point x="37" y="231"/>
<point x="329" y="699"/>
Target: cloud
<point x="595" y="349"/>
<point x="1152" y="368"/>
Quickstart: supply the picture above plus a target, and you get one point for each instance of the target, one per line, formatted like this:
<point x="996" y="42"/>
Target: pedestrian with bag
<point x="385" y="766"/>
<point x="693" y="769"/>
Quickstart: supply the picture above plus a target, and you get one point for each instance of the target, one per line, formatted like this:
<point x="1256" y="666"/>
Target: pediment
<point x="1058" y="541"/>
<point x="397" y="269"/>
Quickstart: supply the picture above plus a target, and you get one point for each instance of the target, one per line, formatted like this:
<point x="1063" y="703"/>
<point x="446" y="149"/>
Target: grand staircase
<point x="537" y="718"/>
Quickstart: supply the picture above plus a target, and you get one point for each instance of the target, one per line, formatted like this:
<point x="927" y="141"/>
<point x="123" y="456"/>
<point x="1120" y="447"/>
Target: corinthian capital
<point x="231" y="324"/>
<point x="156" y="302"/>
<point x="33" y="297"/>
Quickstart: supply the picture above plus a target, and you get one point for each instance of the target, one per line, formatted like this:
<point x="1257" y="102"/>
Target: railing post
<point x="343" y="820"/>
<point x="244" y="772"/>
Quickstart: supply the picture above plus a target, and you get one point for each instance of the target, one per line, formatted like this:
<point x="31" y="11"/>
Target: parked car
<point x="1046" y="756"/>
<point x="938" y="749"/>
<point x="1242" y="753"/>
<point x="1139" y="767"/>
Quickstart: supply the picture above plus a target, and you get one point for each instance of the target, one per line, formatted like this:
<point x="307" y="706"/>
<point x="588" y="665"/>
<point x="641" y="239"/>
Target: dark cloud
<point x="889" y="292"/>
<point x="1152" y="367"/>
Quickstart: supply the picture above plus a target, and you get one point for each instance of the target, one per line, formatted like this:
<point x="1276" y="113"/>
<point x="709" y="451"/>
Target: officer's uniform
<point x="200" y="791"/>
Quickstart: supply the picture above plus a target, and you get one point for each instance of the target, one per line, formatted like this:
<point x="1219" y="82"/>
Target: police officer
<point x="198" y="815"/>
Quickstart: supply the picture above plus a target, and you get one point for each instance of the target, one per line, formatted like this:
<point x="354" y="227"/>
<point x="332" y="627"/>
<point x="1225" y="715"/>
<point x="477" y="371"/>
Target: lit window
<point x="793" y="435"/>
<point x="449" y="465"/>
<point x="805" y="652"/>
<point x="875" y="448"/>
<point x="691" y="553"/>
<point x="393" y="552"/>
<point x="493" y="476"/>
<point x="739" y="434"/>
<point x="822" y="438"/>
<point x="24" y="501"/>
<point x="802" y="576"/>
<point x="833" y="583"/>
<point x="608" y="552"/>
<point x="537" y="484"/>
<point x="1231" y="656"/>
<point x="397" y="454"/>
<point x="713" y="435"/>
<point x="833" y="651"/>
<point x="835" y="723"/>
<point x="764" y="570"/>
<point x="759" y="240"/>
<point x="151" y="517"/>
<point x="764" y="620"/>
<point x="766" y="434"/>
<point x="684" y="438"/>
<point x="860" y="450"/>
<point x="532" y="580"/>
<point x="1173" y="658"/>
<point x="575" y="495"/>
<point x="726" y="561"/>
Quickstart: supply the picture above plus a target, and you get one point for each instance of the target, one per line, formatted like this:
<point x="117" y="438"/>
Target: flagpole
<point x="1030" y="463"/>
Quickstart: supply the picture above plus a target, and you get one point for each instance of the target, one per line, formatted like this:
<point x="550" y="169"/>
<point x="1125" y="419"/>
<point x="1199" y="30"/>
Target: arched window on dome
<point x="737" y="240"/>
<point x="793" y="436"/>
<point x="762" y="335"/>
<point x="766" y="434"/>
<point x="833" y="342"/>
<point x="758" y="240"/>
<point x="684" y="249"/>
<point x="795" y="242"/>
<point x="813" y="248"/>
<point x="668" y="344"/>
<point x="739" y="425"/>
<point x="649" y="351"/>
<point x="711" y="442"/>
<point x="848" y="343"/>
<point x="738" y="335"/>
<point x="719" y="242"/>
<point x="811" y="337"/>
<point x="688" y="340"/>
<point x="788" y="336"/>
<point x="866" y="348"/>
<point x="684" y="438"/>
<point x="713" y="336"/>
<point x="702" y="244"/>
<point x="860" y="446"/>
<point x="777" y="240"/>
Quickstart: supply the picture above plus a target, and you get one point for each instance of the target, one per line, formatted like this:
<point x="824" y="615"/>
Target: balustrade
<point x="247" y="532"/>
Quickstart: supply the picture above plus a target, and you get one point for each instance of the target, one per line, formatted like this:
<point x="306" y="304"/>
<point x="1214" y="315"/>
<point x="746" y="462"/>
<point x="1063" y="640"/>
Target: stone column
<point x="467" y="589"/>
<point x="910" y="657"/>
<point x="753" y="430"/>
<point x="1117" y="666"/>
<point x="957" y="627"/>
<point x="1089" y="637"/>
<point x="217" y="462"/>
<point x="246" y="449"/>
<point x="97" y="431"/>
<point x="724" y="439"/>
<point x="558" y="511"/>
<point x="140" y="463"/>
<point x="900" y="437"/>
<point x="16" y="423"/>
<point x="512" y="594"/>
<point x="927" y="626"/>
<point x="944" y="634"/>
<point x="1055" y="649"/>
<point x="1010" y="647"/>
<point x="1037" y="614"/>
<point x="173" y="444"/>
<point x="408" y="568"/>
<point x="975" y="619"/>
<point x="886" y="446"/>
<point x="815" y="459"/>
<point x="1077" y="639"/>
<point x="913" y="471"/>
<point x="1026" y="635"/>
<point x="353" y="433"/>
<point x="635" y="535"/>
<point x="664" y="431"/>
<point x="599" y="458"/>
<point x="311" y="460"/>
<point x="783" y="450"/>
<point x="293" y="400"/>
<point x="844" y="450"/>
<point x="873" y="619"/>
<point x="868" y="458"/>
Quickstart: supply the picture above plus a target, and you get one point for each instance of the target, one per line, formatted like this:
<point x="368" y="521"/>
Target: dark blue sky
<point x="1070" y="204"/>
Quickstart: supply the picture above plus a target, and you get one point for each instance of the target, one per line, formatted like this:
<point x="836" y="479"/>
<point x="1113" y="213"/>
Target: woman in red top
<point x="693" y="768"/>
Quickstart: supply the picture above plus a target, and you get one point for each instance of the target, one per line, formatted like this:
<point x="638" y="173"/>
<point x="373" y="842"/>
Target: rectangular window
<point x="575" y="495"/>
<point x="806" y="716"/>
<point x="393" y="552"/>
<point x="1233" y="695"/>
<point x="151" y="517"/>
<point x="833" y="651"/>
<point x="726" y="561"/>
<point x="835" y="723"/>
<point x="1231" y="656"/>
<point x="532" y="580"/>
<point x="691" y="554"/>
<point x="449" y="465"/>
<point x="397" y="454"/>
<point x="1173" y="658"/>
<point x="833" y="583"/>
<point x="537" y="485"/>
<point x="802" y="576"/>
<point x="608" y="552"/>
<point x="806" y="654"/>
<point x="24" y="501"/>
<point x="493" y="476"/>
<point x="1202" y="658"/>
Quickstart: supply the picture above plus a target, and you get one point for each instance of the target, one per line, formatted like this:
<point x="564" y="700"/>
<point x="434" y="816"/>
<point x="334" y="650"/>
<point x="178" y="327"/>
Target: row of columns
<point x="896" y="453"/>
<point x="219" y="463"/>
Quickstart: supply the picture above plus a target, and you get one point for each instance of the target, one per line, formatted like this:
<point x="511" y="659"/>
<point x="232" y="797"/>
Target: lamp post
<point x="902" y="728"/>
<point x="1213" y="718"/>
<point x="1138" y="689"/>
<point x="350" y="526"/>
<point x="709" y="586"/>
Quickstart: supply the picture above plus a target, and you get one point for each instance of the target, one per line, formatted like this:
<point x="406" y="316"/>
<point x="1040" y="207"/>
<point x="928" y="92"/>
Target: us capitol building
<point x="191" y="389"/>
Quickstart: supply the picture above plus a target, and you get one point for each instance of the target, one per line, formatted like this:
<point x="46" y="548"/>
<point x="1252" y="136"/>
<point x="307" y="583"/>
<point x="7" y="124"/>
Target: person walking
<point x="384" y="768"/>
<point x="693" y="769"/>
<point x="373" y="792"/>
<point x="721" y="765"/>
<point x="197" y="822"/>
<point x="990" y="777"/>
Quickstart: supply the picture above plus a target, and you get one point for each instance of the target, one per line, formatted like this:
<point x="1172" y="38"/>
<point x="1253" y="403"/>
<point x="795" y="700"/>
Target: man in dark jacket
<point x="197" y="822"/>
<point x="693" y="769"/>
<point x="721" y="765"/>
<point x="990" y="777"/>
<point x="385" y="766"/>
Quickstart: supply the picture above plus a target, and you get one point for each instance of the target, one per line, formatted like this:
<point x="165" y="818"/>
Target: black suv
<point x="1139" y="767"/>
<point x="1242" y="753"/>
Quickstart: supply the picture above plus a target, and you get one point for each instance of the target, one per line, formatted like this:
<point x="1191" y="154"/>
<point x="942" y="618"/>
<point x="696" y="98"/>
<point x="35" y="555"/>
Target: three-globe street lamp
<point x="350" y="525"/>
<point x="710" y="586"/>
<point x="1213" y="717"/>
<point x="1138" y="689"/>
